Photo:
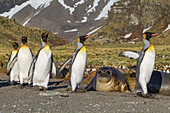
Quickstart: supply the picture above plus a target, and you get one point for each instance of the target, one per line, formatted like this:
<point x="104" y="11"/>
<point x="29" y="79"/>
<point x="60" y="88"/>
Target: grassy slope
<point x="13" y="31"/>
<point x="108" y="54"/>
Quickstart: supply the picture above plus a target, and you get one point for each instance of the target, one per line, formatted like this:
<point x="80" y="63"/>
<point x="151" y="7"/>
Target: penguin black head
<point x="15" y="45"/>
<point x="82" y="38"/>
<point x="24" y="39"/>
<point x="148" y="35"/>
<point x="44" y="37"/>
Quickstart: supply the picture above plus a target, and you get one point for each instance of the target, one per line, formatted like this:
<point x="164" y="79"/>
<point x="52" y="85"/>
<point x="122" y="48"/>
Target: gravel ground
<point x="14" y="99"/>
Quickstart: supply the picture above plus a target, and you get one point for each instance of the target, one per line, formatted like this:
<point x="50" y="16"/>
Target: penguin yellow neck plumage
<point x="151" y="45"/>
<point x="46" y="48"/>
<point x="15" y="50"/>
<point x="46" y="45"/>
<point x="24" y="45"/>
<point x="83" y="48"/>
<point x="151" y="48"/>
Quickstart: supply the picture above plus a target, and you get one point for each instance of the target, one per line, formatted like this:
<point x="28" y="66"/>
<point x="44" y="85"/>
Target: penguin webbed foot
<point x="44" y="89"/>
<point x="80" y="90"/>
<point x="21" y="86"/>
<point x="29" y="85"/>
<point x="11" y="83"/>
<point x="148" y="95"/>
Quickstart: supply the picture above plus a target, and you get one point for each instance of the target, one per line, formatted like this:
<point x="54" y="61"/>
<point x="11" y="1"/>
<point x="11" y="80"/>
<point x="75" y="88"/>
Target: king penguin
<point x="145" y="64"/>
<point x="77" y="64"/>
<point x="24" y="58"/>
<point x="14" y="71"/>
<point x="42" y="65"/>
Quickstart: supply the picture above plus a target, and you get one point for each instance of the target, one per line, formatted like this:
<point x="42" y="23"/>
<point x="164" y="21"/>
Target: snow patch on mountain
<point x="146" y="29"/>
<point x="95" y="4"/>
<point x="93" y="31"/>
<point x="66" y="6"/>
<point x="79" y="3"/>
<point x="71" y="9"/>
<point x="72" y="30"/>
<point x="167" y="28"/>
<point x="34" y="3"/>
<point x="127" y="35"/>
<point x="104" y="12"/>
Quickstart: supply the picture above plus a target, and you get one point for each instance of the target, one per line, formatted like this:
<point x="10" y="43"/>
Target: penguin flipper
<point x="31" y="68"/>
<point x="64" y="65"/>
<point x="8" y="64"/>
<point x="53" y="68"/>
<point x="11" y="64"/>
<point x="130" y="54"/>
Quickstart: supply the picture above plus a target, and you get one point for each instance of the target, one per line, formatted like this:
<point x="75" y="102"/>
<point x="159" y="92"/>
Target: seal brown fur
<point x="108" y="79"/>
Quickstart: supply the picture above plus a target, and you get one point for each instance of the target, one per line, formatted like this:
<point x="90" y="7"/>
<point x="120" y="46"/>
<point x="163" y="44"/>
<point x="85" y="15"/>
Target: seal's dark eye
<point x="108" y="72"/>
<point x="100" y="72"/>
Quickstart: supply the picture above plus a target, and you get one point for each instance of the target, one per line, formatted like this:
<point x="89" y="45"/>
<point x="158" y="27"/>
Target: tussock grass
<point x="102" y="55"/>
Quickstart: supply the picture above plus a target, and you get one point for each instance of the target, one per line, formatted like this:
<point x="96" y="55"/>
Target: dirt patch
<point x="14" y="99"/>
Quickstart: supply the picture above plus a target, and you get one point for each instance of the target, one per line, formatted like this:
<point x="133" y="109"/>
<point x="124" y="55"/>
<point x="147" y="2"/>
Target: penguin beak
<point x="46" y="33"/>
<point x="87" y="36"/>
<point x="155" y="34"/>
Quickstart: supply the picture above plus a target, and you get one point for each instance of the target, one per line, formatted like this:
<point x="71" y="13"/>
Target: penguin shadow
<point x="3" y="83"/>
<point x="54" y="85"/>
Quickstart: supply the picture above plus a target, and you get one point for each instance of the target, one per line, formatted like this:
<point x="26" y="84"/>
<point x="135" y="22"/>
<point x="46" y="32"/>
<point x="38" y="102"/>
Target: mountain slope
<point x="13" y="31"/>
<point x="67" y="18"/>
<point x="128" y="19"/>
<point x="122" y="20"/>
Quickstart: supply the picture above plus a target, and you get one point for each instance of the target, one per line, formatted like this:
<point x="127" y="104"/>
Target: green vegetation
<point x="101" y="54"/>
<point x="13" y="31"/>
<point x="108" y="54"/>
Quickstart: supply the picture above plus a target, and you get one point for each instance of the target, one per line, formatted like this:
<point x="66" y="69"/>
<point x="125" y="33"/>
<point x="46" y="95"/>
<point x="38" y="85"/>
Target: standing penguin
<point x="42" y="65"/>
<point x="14" y="71"/>
<point x="145" y="64"/>
<point x="78" y="64"/>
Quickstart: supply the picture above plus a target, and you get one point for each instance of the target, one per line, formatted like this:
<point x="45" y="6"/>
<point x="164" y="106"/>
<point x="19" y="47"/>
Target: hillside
<point x="13" y="31"/>
<point x="77" y="17"/>
<point x="122" y="20"/>
<point x="128" y="19"/>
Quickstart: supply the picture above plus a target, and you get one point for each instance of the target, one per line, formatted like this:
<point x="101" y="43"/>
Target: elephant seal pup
<point x="159" y="82"/>
<point x="108" y="79"/>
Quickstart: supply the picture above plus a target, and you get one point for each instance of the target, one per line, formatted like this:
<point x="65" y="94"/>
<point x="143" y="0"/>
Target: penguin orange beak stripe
<point x="156" y="34"/>
<point x="87" y="36"/>
<point x="46" y="33"/>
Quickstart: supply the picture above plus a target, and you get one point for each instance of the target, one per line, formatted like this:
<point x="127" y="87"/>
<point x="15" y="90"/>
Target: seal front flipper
<point x="92" y="85"/>
<point x="130" y="54"/>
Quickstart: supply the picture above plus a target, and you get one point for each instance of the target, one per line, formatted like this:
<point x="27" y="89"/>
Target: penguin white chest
<point x="147" y="64"/>
<point x="24" y="59"/>
<point x="14" y="71"/>
<point x="42" y="68"/>
<point x="78" y="66"/>
<point x="43" y="61"/>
